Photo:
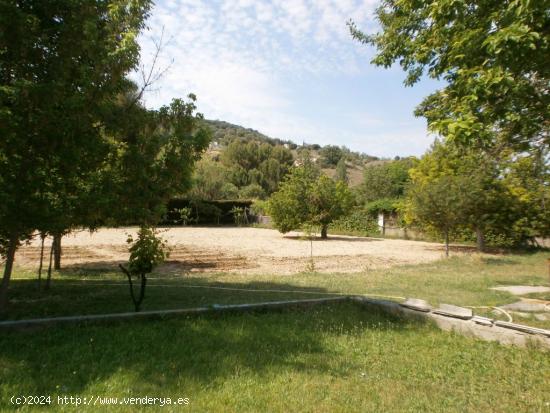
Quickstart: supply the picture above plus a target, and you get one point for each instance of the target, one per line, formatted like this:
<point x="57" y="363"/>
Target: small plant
<point x="185" y="215"/>
<point x="146" y="252"/>
<point x="309" y="232"/>
<point x="240" y="215"/>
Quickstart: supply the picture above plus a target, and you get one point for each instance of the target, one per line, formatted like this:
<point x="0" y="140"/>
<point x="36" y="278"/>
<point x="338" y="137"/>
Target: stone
<point x="522" y="289"/>
<point x="417" y="304"/>
<point x="542" y="317"/>
<point x="523" y="328"/>
<point x="484" y="321"/>
<point x="454" y="311"/>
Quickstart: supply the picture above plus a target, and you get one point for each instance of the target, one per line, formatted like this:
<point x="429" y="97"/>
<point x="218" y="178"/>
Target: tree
<point x="493" y="57"/>
<point x="62" y="63"/>
<point x="486" y="202"/>
<point x="341" y="171"/>
<point x="308" y="198"/>
<point x="386" y="180"/>
<point x="146" y="252"/>
<point x="155" y="154"/>
<point x="437" y="204"/>
<point x="330" y="155"/>
<point x="210" y="182"/>
<point x="255" y="163"/>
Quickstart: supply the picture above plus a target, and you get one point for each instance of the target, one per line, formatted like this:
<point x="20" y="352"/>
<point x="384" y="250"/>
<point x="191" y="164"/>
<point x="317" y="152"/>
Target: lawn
<point x="461" y="280"/>
<point x="333" y="358"/>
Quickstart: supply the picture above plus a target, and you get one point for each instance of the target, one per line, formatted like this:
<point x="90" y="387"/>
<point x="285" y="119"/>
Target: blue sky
<point x="289" y="69"/>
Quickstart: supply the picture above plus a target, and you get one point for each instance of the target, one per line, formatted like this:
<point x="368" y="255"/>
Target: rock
<point x="522" y="289"/>
<point x="417" y="304"/>
<point x="523" y="328"/>
<point x="484" y="321"/>
<point x="542" y="317"/>
<point x="454" y="311"/>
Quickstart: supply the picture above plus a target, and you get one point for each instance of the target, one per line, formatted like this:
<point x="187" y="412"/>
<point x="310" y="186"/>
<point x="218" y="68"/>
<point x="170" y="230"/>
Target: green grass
<point x="464" y="280"/>
<point x="334" y="358"/>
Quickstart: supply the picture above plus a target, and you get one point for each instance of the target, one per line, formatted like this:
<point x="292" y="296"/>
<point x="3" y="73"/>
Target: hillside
<point x="224" y="133"/>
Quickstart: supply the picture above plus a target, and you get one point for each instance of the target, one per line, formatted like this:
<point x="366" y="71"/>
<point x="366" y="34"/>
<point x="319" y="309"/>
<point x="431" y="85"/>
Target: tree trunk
<point x="49" y="277"/>
<point x="324" y="232"/>
<point x="10" y="257"/>
<point x="42" y="238"/>
<point x="137" y="301"/>
<point x="141" y="292"/>
<point x="447" y="244"/>
<point x="480" y="240"/>
<point x="57" y="252"/>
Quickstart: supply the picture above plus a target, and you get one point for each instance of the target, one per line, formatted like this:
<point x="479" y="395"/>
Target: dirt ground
<point x="243" y="250"/>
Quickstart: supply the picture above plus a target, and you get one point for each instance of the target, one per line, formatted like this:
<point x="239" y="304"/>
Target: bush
<point x="358" y="222"/>
<point x="203" y="212"/>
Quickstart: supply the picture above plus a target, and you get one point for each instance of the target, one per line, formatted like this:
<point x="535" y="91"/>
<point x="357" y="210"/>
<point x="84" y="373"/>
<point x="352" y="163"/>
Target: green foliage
<point x="259" y="207"/>
<point x="493" y="57"/>
<point x="252" y="191"/>
<point x="203" y="212"/>
<point x="437" y="204"/>
<point x="358" y="222"/>
<point x="156" y="152"/>
<point x="252" y="164"/>
<point x="330" y="155"/>
<point x="210" y="182"/>
<point x="308" y="198"/>
<point x="387" y="205"/>
<point x="62" y="65"/>
<point x="342" y="171"/>
<point x="147" y="251"/>
<point x="386" y="180"/>
<point x="240" y="215"/>
<point x="489" y="195"/>
<point x="185" y="215"/>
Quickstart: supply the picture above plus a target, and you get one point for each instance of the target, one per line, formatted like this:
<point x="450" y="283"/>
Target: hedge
<point x="204" y="212"/>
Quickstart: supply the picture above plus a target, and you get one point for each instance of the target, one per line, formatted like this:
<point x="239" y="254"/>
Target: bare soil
<point x="243" y="250"/>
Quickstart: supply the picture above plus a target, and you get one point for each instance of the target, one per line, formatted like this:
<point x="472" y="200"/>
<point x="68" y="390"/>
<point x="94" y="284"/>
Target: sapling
<point x="146" y="252"/>
<point x="309" y="232"/>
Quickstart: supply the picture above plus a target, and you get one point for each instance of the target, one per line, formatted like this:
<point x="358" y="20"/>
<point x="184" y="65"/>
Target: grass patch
<point x="461" y="280"/>
<point x="334" y="358"/>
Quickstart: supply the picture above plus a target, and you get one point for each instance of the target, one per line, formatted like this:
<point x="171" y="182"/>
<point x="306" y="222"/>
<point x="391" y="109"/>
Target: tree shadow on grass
<point x="202" y="350"/>
<point x="111" y="295"/>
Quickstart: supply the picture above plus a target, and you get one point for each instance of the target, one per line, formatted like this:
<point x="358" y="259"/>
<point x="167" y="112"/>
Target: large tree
<point x="503" y="197"/>
<point x="492" y="56"/>
<point x="386" y="180"/>
<point x="61" y="64"/>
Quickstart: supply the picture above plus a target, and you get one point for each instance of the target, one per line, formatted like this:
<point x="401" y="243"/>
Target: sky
<point x="287" y="68"/>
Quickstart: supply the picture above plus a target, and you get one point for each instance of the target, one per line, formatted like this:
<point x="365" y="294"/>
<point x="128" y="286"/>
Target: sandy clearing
<point x="243" y="250"/>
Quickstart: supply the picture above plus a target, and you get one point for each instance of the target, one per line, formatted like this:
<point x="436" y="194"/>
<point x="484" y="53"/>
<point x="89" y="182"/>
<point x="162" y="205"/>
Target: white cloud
<point x="237" y="55"/>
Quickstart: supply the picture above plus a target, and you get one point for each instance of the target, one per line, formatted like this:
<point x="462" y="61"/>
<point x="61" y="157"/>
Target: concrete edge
<point x="503" y="332"/>
<point x="490" y="330"/>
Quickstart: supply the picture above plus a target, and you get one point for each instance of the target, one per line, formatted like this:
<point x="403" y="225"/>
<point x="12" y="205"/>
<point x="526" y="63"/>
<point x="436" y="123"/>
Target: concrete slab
<point x="484" y="321"/>
<point x="523" y="328"/>
<point x="417" y="304"/>
<point x="454" y="311"/>
<point x="522" y="289"/>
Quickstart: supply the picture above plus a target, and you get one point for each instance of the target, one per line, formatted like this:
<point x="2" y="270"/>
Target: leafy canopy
<point x="307" y="198"/>
<point x="492" y="55"/>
